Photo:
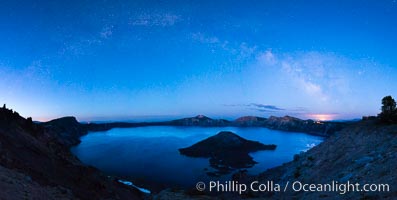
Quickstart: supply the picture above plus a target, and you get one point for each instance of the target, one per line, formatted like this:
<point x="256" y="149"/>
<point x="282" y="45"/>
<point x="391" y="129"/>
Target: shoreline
<point x="286" y="123"/>
<point x="158" y="186"/>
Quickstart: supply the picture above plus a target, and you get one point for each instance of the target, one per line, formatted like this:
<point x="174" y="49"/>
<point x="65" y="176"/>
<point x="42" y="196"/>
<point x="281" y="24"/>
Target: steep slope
<point x="363" y="153"/>
<point x="35" y="151"/>
<point x="15" y="185"/>
<point x="66" y="129"/>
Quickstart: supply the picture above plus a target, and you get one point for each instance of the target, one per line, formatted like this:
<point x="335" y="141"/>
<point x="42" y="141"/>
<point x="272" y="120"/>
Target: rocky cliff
<point x="35" y="163"/>
<point x="362" y="153"/>
<point x="67" y="130"/>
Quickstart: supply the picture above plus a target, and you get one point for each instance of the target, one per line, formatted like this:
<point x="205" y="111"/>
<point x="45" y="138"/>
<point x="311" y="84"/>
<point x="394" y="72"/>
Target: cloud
<point x="263" y="110"/>
<point x="162" y="20"/>
<point x="258" y="107"/>
<point x="276" y="110"/>
<point x="267" y="107"/>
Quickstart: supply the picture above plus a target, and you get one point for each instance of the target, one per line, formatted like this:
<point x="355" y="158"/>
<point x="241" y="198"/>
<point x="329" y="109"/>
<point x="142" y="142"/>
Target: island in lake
<point x="226" y="151"/>
<point x="37" y="155"/>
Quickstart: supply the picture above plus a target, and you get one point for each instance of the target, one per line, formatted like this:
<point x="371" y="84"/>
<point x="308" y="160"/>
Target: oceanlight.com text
<point x="295" y="186"/>
<point x="341" y="188"/>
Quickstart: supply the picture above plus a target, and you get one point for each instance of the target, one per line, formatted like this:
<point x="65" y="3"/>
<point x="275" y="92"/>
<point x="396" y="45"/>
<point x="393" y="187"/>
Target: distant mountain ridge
<point x="200" y="120"/>
<point x="35" y="161"/>
<point x="286" y="123"/>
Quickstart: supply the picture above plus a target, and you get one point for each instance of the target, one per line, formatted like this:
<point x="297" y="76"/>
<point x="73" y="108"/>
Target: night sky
<point x="146" y="60"/>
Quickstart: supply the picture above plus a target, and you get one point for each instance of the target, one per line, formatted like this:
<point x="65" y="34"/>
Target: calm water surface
<point x="151" y="153"/>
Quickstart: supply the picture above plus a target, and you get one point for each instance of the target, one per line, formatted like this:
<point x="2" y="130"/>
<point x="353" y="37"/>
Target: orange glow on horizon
<point x="42" y="119"/>
<point x="322" y="117"/>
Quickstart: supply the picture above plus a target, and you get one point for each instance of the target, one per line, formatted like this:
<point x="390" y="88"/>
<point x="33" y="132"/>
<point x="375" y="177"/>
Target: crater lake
<point x="149" y="155"/>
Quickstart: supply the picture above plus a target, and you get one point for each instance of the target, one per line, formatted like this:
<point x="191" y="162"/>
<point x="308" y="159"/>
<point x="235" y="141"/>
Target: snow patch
<point x="131" y="184"/>
<point x="310" y="145"/>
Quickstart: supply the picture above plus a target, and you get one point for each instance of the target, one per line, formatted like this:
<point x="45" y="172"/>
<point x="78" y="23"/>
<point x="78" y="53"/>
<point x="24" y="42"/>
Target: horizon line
<point x="161" y="118"/>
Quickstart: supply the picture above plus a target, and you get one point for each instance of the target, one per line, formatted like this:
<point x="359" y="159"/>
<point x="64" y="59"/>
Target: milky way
<point x="164" y="59"/>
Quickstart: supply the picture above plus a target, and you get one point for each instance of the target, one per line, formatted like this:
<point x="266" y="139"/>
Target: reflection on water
<point x="150" y="154"/>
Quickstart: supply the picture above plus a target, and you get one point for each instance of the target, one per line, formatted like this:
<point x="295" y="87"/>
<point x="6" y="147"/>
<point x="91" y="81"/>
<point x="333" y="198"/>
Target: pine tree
<point x="389" y="111"/>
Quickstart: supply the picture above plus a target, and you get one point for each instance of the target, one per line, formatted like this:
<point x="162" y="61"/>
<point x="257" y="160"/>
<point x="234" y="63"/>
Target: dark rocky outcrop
<point x="38" y="156"/>
<point x="67" y="130"/>
<point x="227" y="151"/>
<point x="364" y="152"/>
<point x="15" y="185"/>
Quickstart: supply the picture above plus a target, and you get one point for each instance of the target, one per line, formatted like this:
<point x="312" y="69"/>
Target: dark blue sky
<point x="101" y="60"/>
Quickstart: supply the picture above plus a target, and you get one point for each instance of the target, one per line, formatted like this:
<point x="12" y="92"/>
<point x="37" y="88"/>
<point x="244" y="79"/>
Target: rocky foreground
<point x="35" y="163"/>
<point x="363" y="153"/>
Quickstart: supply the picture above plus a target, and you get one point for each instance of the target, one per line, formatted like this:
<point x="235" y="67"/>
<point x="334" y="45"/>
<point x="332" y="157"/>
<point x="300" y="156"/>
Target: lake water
<point x="150" y="154"/>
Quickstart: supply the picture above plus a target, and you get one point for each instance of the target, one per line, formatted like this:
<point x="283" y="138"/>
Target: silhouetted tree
<point x="4" y="106"/>
<point x="389" y="112"/>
